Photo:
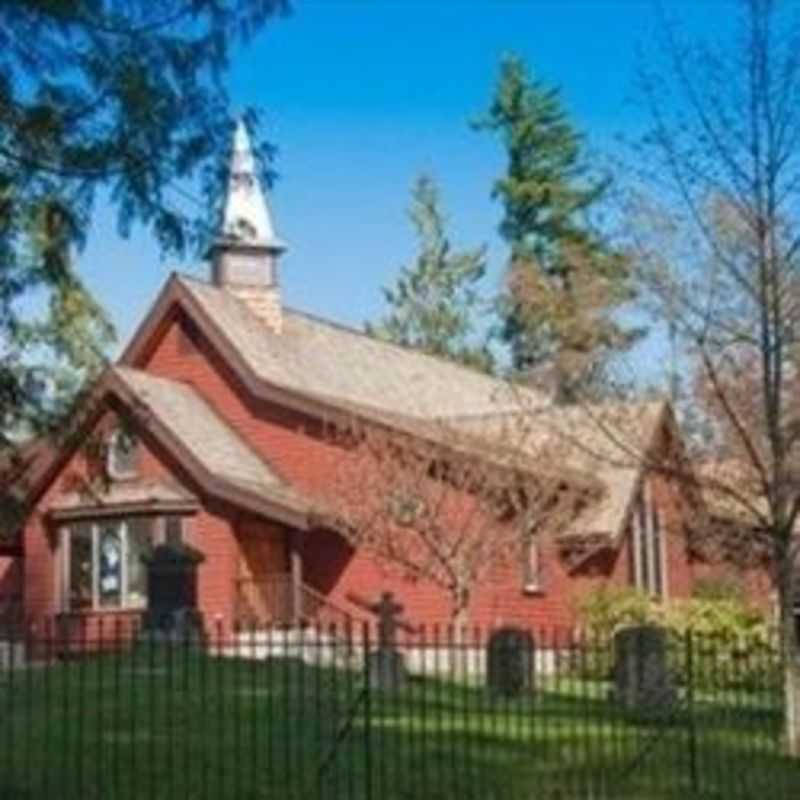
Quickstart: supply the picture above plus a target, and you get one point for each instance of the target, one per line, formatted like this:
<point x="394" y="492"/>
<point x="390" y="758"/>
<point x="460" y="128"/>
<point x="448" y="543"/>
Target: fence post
<point x="367" y="715"/>
<point x="694" y="774"/>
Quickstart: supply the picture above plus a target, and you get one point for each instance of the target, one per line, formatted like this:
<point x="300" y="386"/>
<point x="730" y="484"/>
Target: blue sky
<point x="361" y="96"/>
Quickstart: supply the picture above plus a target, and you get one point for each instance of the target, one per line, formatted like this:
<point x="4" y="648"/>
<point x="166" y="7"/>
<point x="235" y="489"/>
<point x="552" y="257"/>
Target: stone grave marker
<point x="385" y="665"/>
<point x="172" y="591"/>
<point x="510" y="662"/>
<point x="642" y="681"/>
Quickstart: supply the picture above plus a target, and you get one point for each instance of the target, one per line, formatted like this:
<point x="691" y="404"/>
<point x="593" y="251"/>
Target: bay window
<point x="102" y="566"/>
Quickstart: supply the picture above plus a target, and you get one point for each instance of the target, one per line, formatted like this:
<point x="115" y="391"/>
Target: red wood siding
<point x="212" y="531"/>
<point x="292" y="443"/>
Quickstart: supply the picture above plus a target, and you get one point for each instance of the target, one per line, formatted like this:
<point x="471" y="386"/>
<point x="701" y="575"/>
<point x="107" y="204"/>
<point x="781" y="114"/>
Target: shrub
<point x="602" y="613"/>
<point x="718" y="588"/>
<point x="732" y="645"/>
<point x="605" y="610"/>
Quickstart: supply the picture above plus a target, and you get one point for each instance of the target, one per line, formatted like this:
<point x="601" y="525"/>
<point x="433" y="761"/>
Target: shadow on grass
<point x="156" y="723"/>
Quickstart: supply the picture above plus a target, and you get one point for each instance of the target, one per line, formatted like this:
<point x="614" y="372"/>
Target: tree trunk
<point x="792" y="692"/>
<point x="790" y="652"/>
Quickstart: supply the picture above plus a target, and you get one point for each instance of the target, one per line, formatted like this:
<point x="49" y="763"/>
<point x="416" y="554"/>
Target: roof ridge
<point x="351" y="329"/>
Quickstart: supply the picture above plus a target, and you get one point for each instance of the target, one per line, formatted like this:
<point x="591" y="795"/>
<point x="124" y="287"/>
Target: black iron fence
<point x="110" y="710"/>
<point x="10" y="608"/>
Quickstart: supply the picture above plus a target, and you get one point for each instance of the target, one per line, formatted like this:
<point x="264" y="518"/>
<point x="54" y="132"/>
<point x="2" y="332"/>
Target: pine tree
<point x="434" y="305"/>
<point x="564" y="280"/>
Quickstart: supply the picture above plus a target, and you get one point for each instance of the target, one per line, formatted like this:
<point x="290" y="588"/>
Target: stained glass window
<point x="643" y="545"/>
<point x="658" y="570"/>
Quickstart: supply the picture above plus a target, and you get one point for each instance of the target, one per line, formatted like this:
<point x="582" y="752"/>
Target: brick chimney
<point x="244" y="258"/>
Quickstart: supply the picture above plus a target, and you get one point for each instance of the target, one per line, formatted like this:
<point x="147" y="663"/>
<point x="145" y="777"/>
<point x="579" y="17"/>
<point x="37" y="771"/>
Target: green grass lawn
<point x="161" y="723"/>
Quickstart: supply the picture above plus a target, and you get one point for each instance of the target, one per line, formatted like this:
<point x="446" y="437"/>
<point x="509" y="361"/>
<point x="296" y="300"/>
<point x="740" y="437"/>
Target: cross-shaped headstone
<point x="388" y="612"/>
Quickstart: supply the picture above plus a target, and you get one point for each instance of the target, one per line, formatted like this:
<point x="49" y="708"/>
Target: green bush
<point x="718" y="588"/>
<point x="604" y="611"/>
<point x="732" y="645"/>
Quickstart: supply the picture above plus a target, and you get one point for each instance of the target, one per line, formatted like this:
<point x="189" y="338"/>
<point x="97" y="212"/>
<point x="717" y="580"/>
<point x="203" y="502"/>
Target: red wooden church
<point x="213" y="423"/>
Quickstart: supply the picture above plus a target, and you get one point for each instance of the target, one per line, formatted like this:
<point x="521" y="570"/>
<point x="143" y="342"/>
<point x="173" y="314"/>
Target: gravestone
<point x="510" y="662"/>
<point x="385" y="666"/>
<point x="172" y="591"/>
<point x="12" y="656"/>
<point x="642" y="681"/>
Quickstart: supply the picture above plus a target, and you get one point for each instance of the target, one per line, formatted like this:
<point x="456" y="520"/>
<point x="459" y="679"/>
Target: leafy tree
<point x="435" y="302"/>
<point x="564" y="280"/>
<point x="99" y="101"/>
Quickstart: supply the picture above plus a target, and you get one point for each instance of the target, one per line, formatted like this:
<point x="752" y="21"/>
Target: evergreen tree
<point x="434" y="304"/>
<point x="564" y="280"/>
<point x="98" y="99"/>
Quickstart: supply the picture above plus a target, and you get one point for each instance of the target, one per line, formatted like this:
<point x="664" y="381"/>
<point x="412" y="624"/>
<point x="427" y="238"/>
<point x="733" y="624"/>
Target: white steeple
<point x="245" y="255"/>
<point x="247" y="217"/>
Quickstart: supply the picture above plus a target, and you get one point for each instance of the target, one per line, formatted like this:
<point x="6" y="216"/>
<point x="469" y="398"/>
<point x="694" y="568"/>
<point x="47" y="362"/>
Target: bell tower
<point x="245" y="255"/>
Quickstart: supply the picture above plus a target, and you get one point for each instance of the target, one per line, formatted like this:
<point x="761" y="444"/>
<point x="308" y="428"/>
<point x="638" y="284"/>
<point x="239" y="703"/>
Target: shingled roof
<point x="204" y="437"/>
<point x="323" y="360"/>
<point x="610" y="440"/>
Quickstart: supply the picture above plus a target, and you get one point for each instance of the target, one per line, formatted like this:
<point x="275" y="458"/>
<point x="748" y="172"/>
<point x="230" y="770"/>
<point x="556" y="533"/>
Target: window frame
<point x="648" y="546"/>
<point x="532" y="566"/>
<point x="95" y="526"/>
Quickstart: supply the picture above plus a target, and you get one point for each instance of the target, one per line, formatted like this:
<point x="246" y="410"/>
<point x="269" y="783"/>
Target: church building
<point x="211" y="430"/>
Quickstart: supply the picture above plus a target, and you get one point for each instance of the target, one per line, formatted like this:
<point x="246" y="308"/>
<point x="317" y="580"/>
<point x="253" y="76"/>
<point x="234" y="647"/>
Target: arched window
<point x="122" y="455"/>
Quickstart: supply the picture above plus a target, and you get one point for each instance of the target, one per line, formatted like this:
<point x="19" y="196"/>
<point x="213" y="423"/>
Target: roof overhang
<point x="274" y="504"/>
<point x="99" y="510"/>
<point x="123" y="498"/>
<point x="578" y="546"/>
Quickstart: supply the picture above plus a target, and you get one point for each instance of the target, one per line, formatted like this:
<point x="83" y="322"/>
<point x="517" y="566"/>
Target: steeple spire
<point x="247" y="218"/>
<point x="245" y="255"/>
